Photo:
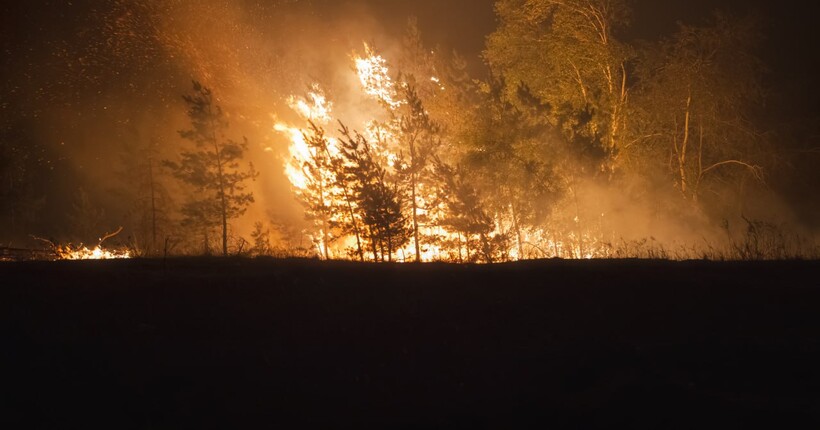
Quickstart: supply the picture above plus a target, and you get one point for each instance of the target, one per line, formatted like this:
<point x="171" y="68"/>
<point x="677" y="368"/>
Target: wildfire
<point x="66" y="252"/>
<point x="306" y="176"/>
<point x="375" y="78"/>
<point x="80" y="252"/>
<point x="315" y="107"/>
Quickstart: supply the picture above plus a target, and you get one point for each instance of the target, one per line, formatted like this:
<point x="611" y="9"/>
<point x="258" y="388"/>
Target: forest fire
<point x="328" y="177"/>
<point x="84" y="253"/>
<point x="81" y="252"/>
<point x="479" y="211"/>
<point x="556" y="134"/>
<point x="374" y="76"/>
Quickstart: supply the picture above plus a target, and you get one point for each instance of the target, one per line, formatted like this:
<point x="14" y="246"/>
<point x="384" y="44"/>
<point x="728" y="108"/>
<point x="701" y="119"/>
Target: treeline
<point x="577" y="143"/>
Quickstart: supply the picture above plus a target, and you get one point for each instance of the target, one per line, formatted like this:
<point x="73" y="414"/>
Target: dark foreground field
<point x="230" y="343"/>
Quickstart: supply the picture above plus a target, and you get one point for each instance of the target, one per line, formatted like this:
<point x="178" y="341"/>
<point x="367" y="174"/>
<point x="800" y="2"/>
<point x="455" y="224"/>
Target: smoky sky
<point x="81" y="77"/>
<point x="789" y="30"/>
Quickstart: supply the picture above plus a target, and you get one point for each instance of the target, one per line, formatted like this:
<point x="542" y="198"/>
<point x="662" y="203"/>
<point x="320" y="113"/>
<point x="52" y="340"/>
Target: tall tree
<point x="566" y="53"/>
<point x="377" y="196"/>
<point x="213" y="166"/>
<point x="516" y="162"/>
<point x="419" y="137"/>
<point x="699" y="90"/>
<point x="143" y="185"/>
<point x="466" y="212"/>
<point x="328" y="203"/>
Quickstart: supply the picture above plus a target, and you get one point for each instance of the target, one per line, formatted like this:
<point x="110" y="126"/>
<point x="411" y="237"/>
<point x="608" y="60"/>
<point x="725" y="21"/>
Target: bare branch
<point x="53" y="246"/>
<point x="757" y="171"/>
<point x="110" y="235"/>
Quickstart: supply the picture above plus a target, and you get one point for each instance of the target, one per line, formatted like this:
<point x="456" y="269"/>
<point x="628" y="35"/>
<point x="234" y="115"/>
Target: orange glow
<point x="383" y="134"/>
<point x="375" y="78"/>
<point x="66" y="252"/>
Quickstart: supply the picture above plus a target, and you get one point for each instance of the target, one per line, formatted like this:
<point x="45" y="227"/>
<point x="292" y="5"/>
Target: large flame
<point x="314" y="107"/>
<point x="375" y="77"/>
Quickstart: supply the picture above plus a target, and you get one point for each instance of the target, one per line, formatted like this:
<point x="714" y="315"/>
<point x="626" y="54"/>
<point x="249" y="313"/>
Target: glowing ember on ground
<point x="84" y="253"/>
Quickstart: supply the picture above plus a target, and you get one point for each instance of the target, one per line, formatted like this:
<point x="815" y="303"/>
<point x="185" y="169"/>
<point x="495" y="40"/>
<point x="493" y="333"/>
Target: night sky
<point x="791" y="31"/>
<point x="30" y="29"/>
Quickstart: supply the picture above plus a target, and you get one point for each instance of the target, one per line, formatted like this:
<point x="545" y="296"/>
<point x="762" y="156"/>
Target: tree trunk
<point x="223" y="204"/>
<point x="517" y="228"/>
<point x="153" y="208"/>
<point x="415" y="220"/>
<point x="681" y="152"/>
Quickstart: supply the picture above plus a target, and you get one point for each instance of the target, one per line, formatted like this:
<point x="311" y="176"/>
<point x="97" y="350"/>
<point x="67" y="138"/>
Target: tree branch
<point x="109" y="235"/>
<point x="756" y="170"/>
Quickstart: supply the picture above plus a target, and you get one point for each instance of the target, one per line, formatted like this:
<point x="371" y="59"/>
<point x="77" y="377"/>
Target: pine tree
<point x="419" y="136"/>
<point x="212" y="168"/>
<point x="377" y="198"/>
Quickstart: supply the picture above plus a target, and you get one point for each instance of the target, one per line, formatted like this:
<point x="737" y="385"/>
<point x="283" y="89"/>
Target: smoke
<point x="91" y="81"/>
<point x="95" y="83"/>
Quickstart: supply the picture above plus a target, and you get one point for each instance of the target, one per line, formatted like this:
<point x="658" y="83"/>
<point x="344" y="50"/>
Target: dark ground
<point x="232" y="343"/>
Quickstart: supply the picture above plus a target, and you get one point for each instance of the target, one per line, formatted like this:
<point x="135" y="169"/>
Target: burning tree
<point x="465" y="212"/>
<point x="378" y="199"/>
<point x="316" y="172"/>
<point x="419" y="137"/>
<point x="318" y="195"/>
<point x="213" y="168"/>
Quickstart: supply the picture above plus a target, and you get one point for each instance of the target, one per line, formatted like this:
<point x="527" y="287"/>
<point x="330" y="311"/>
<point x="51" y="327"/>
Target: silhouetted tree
<point x="327" y="201"/>
<point x="419" y="137"/>
<point x="212" y="167"/>
<point x="378" y="200"/>
<point x="317" y="194"/>
<point x="465" y="210"/>
<point x="144" y="187"/>
<point x="261" y="239"/>
<point x="698" y="91"/>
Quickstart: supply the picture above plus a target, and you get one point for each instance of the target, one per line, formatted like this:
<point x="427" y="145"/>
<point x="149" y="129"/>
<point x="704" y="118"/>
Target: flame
<point x="299" y="152"/>
<point x="66" y="252"/>
<point x="375" y="77"/>
<point x="314" y="107"/>
<point x="382" y="133"/>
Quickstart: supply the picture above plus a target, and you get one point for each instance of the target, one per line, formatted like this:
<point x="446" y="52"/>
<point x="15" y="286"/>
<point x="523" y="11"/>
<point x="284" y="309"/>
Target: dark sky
<point x="463" y="24"/>
<point x="789" y="49"/>
<point x="790" y="29"/>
